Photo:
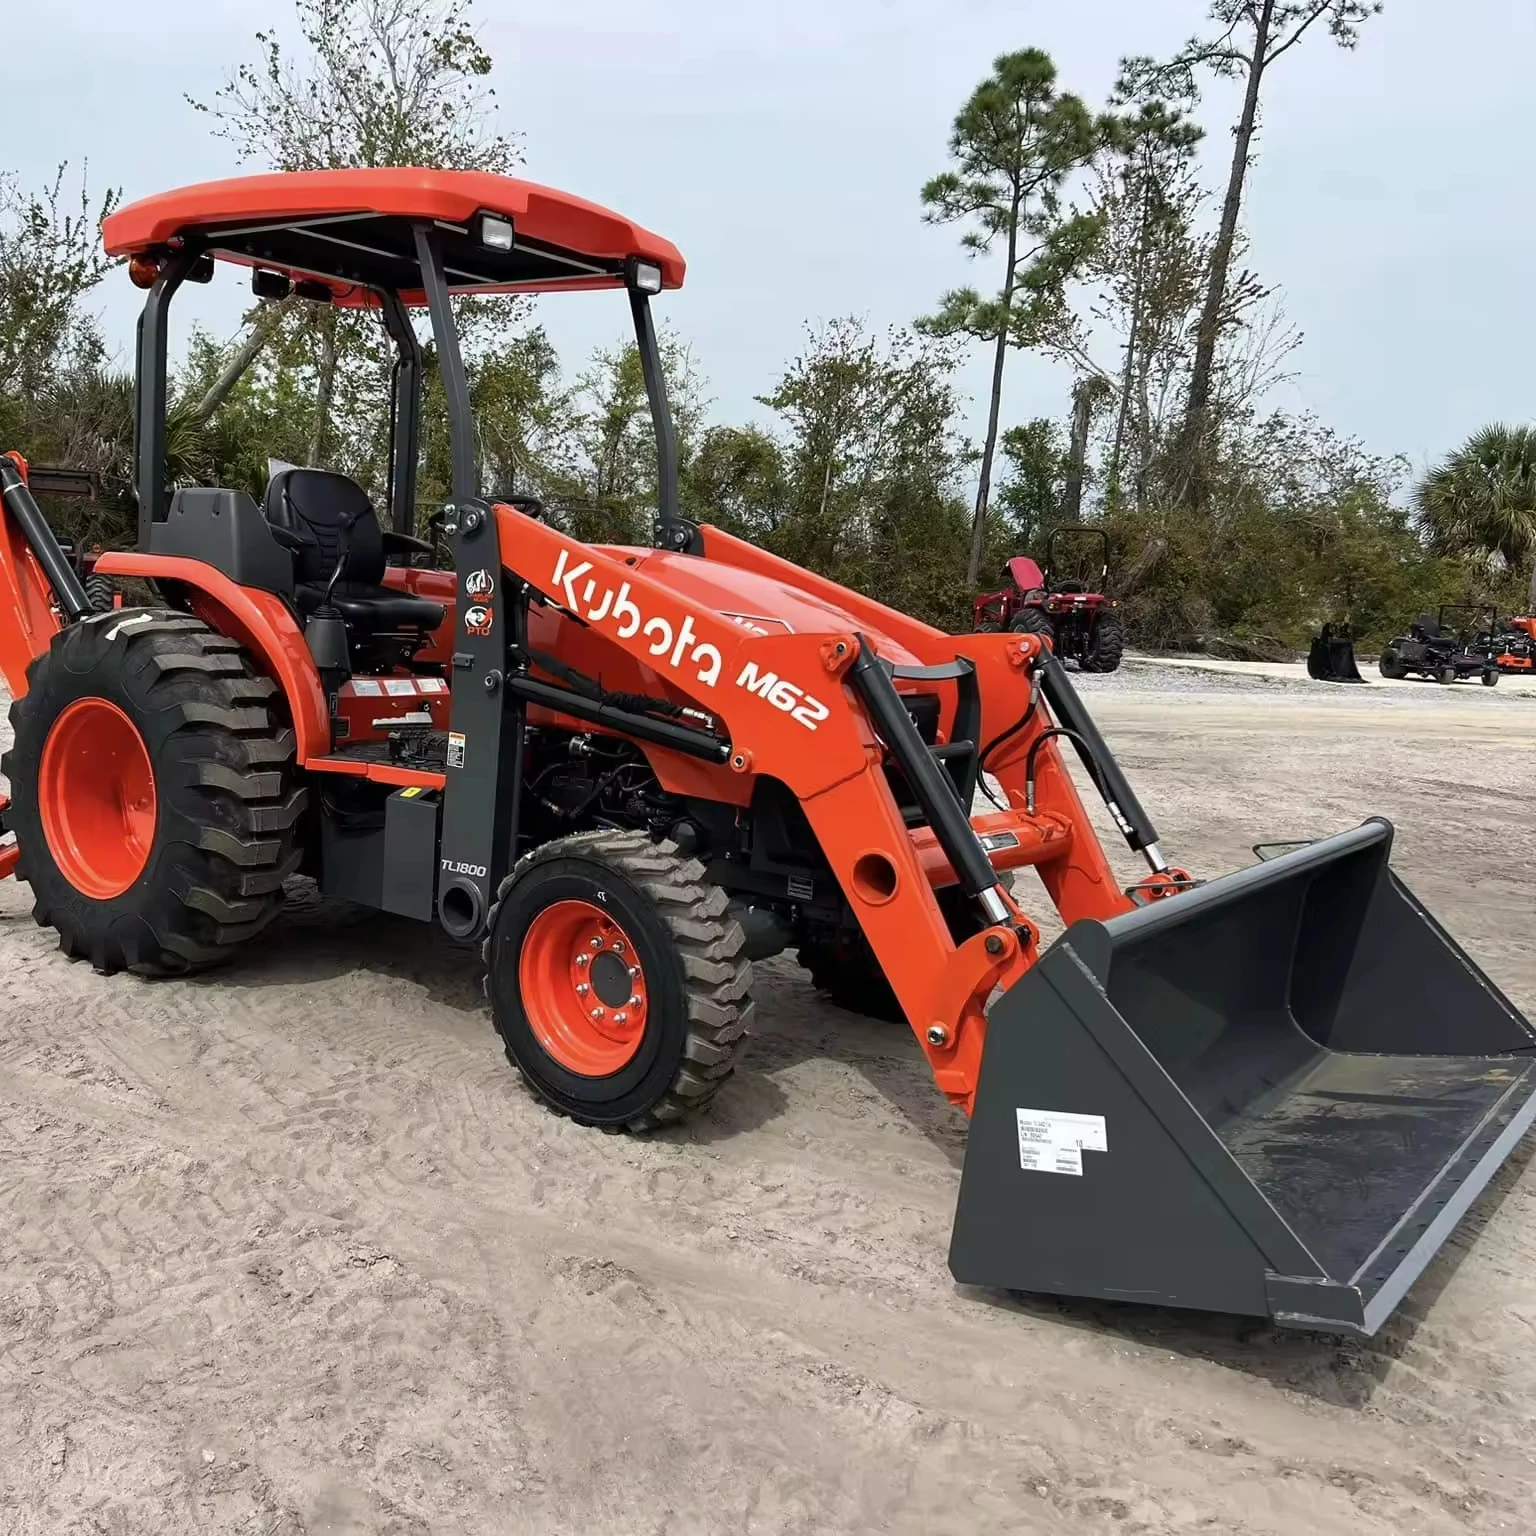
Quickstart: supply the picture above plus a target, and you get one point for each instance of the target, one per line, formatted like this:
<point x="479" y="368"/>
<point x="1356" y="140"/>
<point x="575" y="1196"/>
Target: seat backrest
<point x="327" y="512"/>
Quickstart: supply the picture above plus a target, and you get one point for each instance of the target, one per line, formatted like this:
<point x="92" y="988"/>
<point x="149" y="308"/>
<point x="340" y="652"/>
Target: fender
<point x="260" y="621"/>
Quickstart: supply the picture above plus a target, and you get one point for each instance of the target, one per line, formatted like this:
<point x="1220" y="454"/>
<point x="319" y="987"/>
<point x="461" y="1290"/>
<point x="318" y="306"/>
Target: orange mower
<point x="625" y="774"/>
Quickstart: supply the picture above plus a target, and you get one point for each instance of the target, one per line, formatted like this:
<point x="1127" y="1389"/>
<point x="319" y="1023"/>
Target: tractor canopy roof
<point x="353" y="231"/>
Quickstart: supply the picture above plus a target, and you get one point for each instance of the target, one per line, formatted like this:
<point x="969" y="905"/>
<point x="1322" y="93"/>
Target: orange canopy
<point x="351" y="229"/>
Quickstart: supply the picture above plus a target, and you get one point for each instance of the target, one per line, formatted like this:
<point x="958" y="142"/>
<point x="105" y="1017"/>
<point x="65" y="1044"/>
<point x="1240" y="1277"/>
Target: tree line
<point x="1234" y="527"/>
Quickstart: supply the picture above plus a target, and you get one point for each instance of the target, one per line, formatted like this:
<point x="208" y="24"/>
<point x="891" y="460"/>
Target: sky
<point x="782" y="147"/>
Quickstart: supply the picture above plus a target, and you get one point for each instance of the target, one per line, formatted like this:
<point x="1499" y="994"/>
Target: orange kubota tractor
<point x="627" y="772"/>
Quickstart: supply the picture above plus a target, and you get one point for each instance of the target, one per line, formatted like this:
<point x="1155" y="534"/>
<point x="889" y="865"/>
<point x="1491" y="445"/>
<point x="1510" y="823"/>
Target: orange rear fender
<point x="260" y="621"/>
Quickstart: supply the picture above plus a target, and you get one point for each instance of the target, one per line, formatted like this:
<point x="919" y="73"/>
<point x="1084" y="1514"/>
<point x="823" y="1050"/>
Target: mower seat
<point x="328" y="513"/>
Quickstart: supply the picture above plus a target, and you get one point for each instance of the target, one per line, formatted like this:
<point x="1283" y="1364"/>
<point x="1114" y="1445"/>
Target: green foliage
<point x="1481" y="500"/>
<point x="378" y="82"/>
<point x="873" y="459"/>
<point x="1029" y="497"/>
<point x="1014" y="144"/>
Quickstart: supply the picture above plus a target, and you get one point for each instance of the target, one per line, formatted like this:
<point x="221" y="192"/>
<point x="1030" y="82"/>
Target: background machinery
<point x="1082" y="624"/>
<point x="625" y="773"/>
<point x="1458" y="641"/>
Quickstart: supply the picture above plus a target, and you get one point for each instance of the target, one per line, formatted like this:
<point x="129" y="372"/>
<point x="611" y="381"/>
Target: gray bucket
<point x="1285" y="1088"/>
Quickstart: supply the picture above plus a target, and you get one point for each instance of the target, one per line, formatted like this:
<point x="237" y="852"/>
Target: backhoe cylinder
<point x="34" y="527"/>
<point x="1119" y="798"/>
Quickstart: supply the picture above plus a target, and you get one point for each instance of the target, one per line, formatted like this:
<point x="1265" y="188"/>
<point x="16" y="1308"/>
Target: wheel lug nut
<point x="597" y="943"/>
<point x="582" y="989"/>
<point x="583" y="959"/>
<point x="621" y="1017"/>
<point x="597" y="1013"/>
<point x="634" y="973"/>
<point x="634" y="1001"/>
<point x="618" y="946"/>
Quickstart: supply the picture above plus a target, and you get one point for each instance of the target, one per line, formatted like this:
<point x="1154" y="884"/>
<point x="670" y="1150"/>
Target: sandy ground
<point x="288" y="1249"/>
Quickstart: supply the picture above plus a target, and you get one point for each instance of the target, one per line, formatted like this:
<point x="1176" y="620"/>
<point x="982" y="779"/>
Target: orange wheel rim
<point x="96" y="796"/>
<point x="583" y="988"/>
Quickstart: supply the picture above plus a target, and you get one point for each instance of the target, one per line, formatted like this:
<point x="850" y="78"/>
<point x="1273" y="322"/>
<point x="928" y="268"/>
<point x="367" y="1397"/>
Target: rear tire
<point x="1391" y="668"/>
<point x="1106" y="643"/>
<point x="217" y="829"/>
<point x="100" y="592"/>
<point x="988" y="627"/>
<point x="695" y="980"/>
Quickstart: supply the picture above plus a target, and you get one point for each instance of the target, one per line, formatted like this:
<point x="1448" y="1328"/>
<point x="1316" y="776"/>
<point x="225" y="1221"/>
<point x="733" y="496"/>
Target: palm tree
<point x="1482" y="498"/>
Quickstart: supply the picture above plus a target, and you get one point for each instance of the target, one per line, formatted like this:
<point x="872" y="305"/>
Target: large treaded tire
<point x="693" y="955"/>
<point x="1106" y="643"/>
<point x="227" y="807"/>
<point x="100" y="591"/>
<point x="1391" y="668"/>
<point x="1033" y="621"/>
<point x="847" y="973"/>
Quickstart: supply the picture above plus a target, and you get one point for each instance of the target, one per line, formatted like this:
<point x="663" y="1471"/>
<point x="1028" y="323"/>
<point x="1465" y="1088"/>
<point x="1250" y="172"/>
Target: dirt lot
<point x="289" y="1250"/>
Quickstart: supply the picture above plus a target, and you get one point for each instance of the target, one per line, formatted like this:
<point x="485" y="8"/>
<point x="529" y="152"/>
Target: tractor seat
<point x="328" y="512"/>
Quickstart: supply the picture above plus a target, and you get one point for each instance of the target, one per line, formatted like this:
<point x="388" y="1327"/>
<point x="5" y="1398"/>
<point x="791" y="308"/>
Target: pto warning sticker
<point x="1052" y="1141"/>
<point x="456" y="750"/>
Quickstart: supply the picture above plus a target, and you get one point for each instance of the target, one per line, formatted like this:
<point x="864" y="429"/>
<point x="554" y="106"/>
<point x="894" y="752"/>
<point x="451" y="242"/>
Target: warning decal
<point x="455" y="749"/>
<point x="1052" y="1141"/>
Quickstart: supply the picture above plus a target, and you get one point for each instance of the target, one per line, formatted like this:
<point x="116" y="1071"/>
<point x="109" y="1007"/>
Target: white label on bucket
<point x="1052" y="1141"/>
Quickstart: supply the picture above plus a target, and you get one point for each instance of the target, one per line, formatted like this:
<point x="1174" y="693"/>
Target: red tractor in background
<point x="1082" y="626"/>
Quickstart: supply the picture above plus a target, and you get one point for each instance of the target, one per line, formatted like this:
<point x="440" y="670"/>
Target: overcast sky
<point x="782" y="145"/>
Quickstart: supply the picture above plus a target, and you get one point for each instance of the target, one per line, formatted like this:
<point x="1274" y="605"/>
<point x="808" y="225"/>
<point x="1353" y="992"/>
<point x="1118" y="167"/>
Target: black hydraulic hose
<point x="1119" y="798"/>
<point x="997" y="741"/>
<point x="1029" y="762"/>
<point x="19" y="503"/>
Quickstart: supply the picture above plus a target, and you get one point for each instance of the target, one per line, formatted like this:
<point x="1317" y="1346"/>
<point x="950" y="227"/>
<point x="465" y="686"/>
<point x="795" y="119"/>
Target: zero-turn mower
<point x="1456" y="642"/>
<point x="625" y="773"/>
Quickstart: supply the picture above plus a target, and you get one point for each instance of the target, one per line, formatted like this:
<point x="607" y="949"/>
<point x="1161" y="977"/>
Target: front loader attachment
<point x="1275" y="1094"/>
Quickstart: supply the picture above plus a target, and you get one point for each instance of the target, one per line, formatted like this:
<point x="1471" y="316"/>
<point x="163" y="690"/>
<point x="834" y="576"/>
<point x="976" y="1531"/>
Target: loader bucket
<point x="1274" y="1095"/>
<point x="1331" y="658"/>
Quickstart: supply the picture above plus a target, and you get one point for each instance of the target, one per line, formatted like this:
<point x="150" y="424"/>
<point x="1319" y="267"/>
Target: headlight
<point x="495" y="232"/>
<point x="647" y="277"/>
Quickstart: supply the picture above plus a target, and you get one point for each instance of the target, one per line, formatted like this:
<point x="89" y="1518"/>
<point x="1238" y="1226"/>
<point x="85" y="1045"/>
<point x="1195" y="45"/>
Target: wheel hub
<point x="583" y="988"/>
<point x="96" y="798"/>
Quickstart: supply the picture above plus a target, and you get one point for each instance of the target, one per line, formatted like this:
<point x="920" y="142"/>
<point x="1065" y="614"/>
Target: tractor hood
<point x="758" y="603"/>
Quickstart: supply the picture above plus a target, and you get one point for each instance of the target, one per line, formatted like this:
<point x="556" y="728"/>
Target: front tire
<point x="1033" y="621"/>
<point x="618" y="982"/>
<point x="152" y="793"/>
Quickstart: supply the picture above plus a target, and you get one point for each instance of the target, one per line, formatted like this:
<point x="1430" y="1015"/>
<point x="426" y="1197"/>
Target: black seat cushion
<point x="328" y="513"/>
<point x="373" y="608"/>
